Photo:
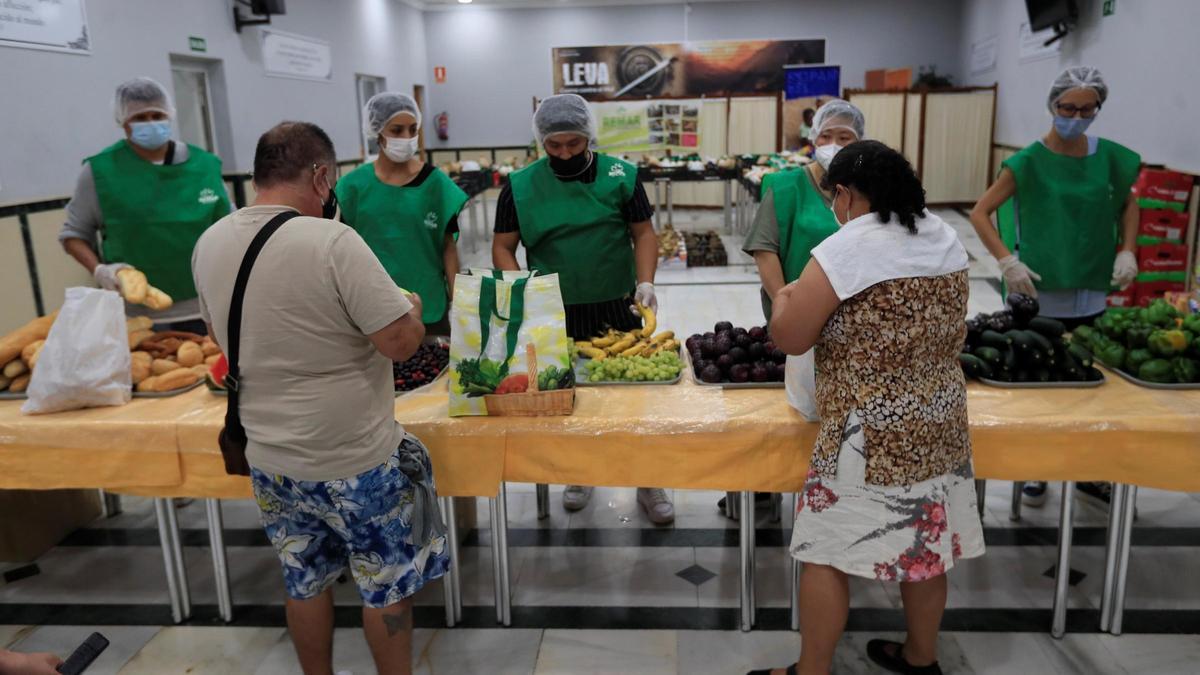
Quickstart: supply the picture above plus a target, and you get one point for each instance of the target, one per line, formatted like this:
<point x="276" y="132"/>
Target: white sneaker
<point x="657" y="505"/>
<point x="576" y="497"/>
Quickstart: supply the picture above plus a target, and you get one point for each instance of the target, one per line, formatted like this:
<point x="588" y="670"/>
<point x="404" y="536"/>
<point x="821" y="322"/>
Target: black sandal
<point x="791" y="670"/>
<point x="895" y="662"/>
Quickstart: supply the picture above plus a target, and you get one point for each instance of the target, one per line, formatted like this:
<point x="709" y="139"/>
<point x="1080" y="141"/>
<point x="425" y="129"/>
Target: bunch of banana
<point x="637" y="342"/>
<point x="668" y="242"/>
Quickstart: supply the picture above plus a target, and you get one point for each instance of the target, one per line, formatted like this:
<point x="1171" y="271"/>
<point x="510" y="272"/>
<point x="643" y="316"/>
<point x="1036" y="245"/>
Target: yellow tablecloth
<point x="683" y="436"/>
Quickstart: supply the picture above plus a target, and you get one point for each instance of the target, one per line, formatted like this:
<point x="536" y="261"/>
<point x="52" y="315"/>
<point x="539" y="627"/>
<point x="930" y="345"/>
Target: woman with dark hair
<point x="890" y="493"/>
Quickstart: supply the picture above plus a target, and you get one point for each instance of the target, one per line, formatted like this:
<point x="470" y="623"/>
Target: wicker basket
<point x="531" y="403"/>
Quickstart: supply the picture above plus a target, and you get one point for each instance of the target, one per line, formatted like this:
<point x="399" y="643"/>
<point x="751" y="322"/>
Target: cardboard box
<point x="34" y="521"/>
<point x="1162" y="184"/>
<point x="1152" y="290"/>
<point x="1163" y="224"/>
<point x="1163" y="258"/>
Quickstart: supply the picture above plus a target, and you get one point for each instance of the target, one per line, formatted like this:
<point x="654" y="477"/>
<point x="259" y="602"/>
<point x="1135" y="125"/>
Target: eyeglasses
<point x="1069" y="110"/>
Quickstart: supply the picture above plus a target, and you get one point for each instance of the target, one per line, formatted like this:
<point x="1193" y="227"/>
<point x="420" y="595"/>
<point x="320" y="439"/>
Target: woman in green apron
<point x="406" y="209"/>
<point x="584" y="216"/>
<point x="143" y="202"/>
<point x="1064" y="207"/>
<point x="794" y="215"/>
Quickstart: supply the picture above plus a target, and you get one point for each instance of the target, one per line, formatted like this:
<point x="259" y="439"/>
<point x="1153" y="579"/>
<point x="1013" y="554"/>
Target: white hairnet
<point x="564" y="113"/>
<point x="1077" y="77"/>
<point x="838" y="113"/>
<point x="139" y="95"/>
<point x="383" y="107"/>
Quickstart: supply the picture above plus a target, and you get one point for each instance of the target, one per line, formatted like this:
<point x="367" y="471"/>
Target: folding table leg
<point x="543" y="501"/>
<point x="216" y="539"/>
<point x="1062" y="573"/>
<point x="500" y="562"/>
<point x="1128" y="509"/>
<point x="1014" y="513"/>
<point x="746" y="538"/>
<point x="161" y="508"/>
<point x="1112" y="553"/>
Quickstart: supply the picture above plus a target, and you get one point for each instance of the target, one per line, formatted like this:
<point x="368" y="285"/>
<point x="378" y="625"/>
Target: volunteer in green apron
<point x="405" y="209"/>
<point x="1064" y="207"/>
<point x="794" y="215"/>
<point x="144" y="202"/>
<point x="584" y="216"/>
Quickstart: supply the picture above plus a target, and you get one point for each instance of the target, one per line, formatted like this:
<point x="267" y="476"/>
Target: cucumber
<point x="1022" y="340"/>
<point x="990" y="338"/>
<point x="1092" y="375"/>
<point x="1051" y="328"/>
<point x="1081" y="354"/>
<point x="1043" y="343"/>
<point x="990" y="355"/>
<point x="974" y="366"/>
<point x="1010" y="360"/>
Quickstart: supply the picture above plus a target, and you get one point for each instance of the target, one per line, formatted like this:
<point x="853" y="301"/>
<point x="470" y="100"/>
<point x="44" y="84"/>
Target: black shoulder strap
<point x="170" y="157"/>
<point x="239" y="294"/>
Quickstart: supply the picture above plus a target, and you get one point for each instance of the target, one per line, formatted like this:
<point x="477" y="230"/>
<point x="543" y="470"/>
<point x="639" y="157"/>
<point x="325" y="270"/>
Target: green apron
<point x="577" y="230"/>
<point x="804" y="218"/>
<point x="1068" y="212"/>
<point x="153" y="214"/>
<point x="406" y="228"/>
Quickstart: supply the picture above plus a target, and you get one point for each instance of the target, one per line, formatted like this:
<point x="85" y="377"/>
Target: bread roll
<point x="175" y="379"/>
<point x="15" y="368"/>
<point x="163" y="366"/>
<point x="212" y="359"/>
<point x="12" y="344"/>
<point x="157" y="300"/>
<point x="137" y="336"/>
<point x="30" y="353"/>
<point x="189" y="355"/>
<point x="209" y="347"/>
<point x="133" y="285"/>
<point x="139" y="368"/>
<point x="201" y="370"/>
<point x="138" y="323"/>
<point x="19" y="385"/>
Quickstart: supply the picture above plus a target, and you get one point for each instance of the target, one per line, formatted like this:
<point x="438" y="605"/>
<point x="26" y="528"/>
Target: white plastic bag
<point x="85" y="362"/>
<point x="800" y="380"/>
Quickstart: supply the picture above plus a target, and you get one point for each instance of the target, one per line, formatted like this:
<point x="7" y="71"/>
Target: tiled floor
<point x="563" y="592"/>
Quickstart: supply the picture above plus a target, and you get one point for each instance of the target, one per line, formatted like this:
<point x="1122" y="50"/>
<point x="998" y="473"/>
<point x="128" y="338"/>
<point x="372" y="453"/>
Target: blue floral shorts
<point x="320" y="528"/>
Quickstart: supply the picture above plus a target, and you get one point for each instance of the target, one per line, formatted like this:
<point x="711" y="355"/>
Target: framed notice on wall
<point x="641" y="126"/>
<point x="296" y="56"/>
<point x="56" y="25"/>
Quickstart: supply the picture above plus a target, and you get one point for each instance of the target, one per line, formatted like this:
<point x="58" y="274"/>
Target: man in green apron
<point x="406" y="209"/>
<point x="1064" y="207"/>
<point x="794" y="215"/>
<point x="584" y="216"/>
<point x="143" y="202"/>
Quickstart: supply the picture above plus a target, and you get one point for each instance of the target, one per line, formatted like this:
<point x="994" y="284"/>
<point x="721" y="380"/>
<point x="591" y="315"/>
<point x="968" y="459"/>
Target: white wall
<point x="1147" y="51"/>
<point x="57" y="110"/>
<point x="491" y="104"/>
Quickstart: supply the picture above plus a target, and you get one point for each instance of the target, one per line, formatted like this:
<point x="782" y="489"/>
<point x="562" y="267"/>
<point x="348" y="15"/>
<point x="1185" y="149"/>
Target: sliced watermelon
<point x="217" y="373"/>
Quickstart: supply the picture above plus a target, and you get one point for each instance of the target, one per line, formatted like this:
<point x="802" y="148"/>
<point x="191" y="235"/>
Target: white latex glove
<point x="1125" y="269"/>
<point x="1018" y="277"/>
<point x="646" y="297"/>
<point x="106" y="276"/>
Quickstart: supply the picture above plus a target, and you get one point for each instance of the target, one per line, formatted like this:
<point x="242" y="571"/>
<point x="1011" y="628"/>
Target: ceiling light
<point x="464" y="2"/>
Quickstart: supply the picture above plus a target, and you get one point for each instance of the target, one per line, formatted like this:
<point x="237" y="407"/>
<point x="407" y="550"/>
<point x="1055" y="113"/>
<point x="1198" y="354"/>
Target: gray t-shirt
<point x="84" y="221"/>
<point x="317" y="397"/>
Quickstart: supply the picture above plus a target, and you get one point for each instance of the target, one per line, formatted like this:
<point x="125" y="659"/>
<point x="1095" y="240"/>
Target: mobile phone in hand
<point x="84" y="655"/>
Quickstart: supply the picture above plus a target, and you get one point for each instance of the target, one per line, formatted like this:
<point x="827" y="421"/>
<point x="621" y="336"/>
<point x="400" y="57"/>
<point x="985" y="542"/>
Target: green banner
<point x="642" y="126"/>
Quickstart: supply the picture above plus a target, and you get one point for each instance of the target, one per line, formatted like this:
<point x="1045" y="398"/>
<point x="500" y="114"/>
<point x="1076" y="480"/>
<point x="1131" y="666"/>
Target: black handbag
<point x="233" y="437"/>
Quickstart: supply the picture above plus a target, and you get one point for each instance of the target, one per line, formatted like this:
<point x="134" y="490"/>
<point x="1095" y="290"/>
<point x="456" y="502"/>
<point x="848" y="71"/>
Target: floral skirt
<point x="894" y="533"/>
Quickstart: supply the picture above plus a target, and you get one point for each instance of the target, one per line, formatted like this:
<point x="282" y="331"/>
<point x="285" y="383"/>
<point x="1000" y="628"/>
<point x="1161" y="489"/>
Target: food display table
<point x="682" y="436"/>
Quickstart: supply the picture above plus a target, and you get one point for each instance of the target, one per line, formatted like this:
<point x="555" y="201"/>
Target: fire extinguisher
<point x="443" y="126"/>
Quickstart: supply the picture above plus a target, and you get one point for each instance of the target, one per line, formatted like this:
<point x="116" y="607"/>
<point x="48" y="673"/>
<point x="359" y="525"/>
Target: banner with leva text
<point x="641" y="126"/>
<point x="681" y="69"/>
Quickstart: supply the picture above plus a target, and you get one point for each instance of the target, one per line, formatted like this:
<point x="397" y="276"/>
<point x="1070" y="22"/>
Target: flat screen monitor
<point x="1045" y="14"/>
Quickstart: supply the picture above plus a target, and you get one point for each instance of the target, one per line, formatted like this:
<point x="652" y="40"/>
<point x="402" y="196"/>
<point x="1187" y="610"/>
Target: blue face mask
<point x="1070" y="128"/>
<point x="150" y="135"/>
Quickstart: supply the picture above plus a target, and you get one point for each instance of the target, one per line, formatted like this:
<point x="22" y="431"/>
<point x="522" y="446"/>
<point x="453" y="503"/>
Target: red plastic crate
<point x="1163" y="224"/>
<point x="1162" y="184"/>
<point x="1163" y="258"/>
<point x="1125" y="298"/>
<point x="1152" y="290"/>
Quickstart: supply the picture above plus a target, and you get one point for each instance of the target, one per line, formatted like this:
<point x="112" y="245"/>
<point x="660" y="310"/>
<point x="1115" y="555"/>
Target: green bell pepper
<point x="1110" y="354"/>
<point x="1137" y="336"/>
<point x="1161" y="313"/>
<point x="1185" y="370"/>
<point x="1135" y="358"/>
<point x="1167" y="343"/>
<point x="1157" y="370"/>
<point x="1192" y="323"/>
<point x="1082" y="335"/>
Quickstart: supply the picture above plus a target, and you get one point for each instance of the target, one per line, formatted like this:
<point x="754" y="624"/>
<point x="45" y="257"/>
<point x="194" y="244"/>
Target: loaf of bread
<point x="139" y="366"/>
<point x="163" y="366"/>
<point x="15" y="368"/>
<point x="12" y="344"/>
<point x="212" y="359"/>
<point x="133" y="285"/>
<point x="138" y="323"/>
<point x="209" y="347"/>
<point x="189" y="355"/>
<point x="138" y="336"/>
<point x="157" y="300"/>
<point x="30" y="353"/>
<point x="19" y="385"/>
<point x="175" y="379"/>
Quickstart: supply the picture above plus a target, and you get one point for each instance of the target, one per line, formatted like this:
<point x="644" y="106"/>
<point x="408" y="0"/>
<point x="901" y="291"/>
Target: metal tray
<point x="214" y="390"/>
<point x="1150" y="385"/>
<point x="1045" y="385"/>
<point x="687" y="359"/>
<point x="402" y="392"/>
<point x="9" y="396"/>
<point x="581" y="377"/>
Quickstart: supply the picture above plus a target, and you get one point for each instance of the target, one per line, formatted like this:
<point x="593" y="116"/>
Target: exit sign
<point x="198" y="44"/>
<point x="1110" y="7"/>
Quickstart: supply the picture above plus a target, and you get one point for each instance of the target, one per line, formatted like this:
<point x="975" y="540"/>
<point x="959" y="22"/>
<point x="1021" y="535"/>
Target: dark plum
<point x="740" y="331"/>
<point x="725" y="362"/>
<point x="739" y="355"/>
<point x="758" y="333"/>
<point x="778" y="356"/>
<point x="759" y="374"/>
<point x="743" y="341"/>
<point x="693" y="343"/>
<point x="722" y="326"/>
<point x="724" y="345"/>
<point x="708" y="349"/>
<point x="757" y="351"/>
<point x="739" y="373"/>
<point x="711" y="374"/>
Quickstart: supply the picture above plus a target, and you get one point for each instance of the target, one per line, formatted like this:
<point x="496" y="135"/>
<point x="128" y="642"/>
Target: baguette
<point x="163" y="366"/>
<point x="30" y="354"/>
<point x="138" y="336"/>
<point x="139" y="366"/>
<point x="209" y="347"/>
<point x="201" y="370"/>
<point x="189" y="355"/>
<point x="176" y="379"/>
<point x="212" y="359"/>
<point x="15" y="368"/>
<point x="20" y="384"/>
<point x="138" y="323"/>
<point x="12" y="344"/>
<point x="157" y="300"/>
<point x="133" y="285"/>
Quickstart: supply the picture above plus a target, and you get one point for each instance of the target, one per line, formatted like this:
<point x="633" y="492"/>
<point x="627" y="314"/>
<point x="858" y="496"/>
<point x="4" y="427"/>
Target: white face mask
<point x="825" y="154"/>
<point x="833" y="205"/>
<point x="400" y="149"/>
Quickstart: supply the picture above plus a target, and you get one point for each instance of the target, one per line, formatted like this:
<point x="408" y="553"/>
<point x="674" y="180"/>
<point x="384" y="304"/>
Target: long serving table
<point x="683" y="437"/>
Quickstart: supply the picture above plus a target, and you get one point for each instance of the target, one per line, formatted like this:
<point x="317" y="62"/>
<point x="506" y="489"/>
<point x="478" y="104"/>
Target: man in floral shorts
<point x="338" y="481"/>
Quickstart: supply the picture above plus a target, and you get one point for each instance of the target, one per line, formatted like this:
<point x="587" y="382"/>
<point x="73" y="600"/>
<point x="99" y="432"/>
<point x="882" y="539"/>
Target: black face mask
<point x="572" y="166"/>
<point x="330" y="207"/>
